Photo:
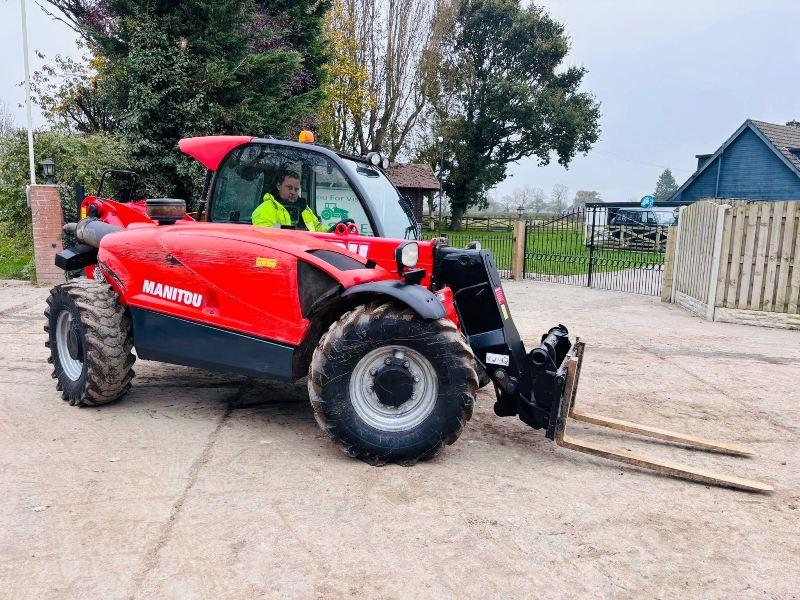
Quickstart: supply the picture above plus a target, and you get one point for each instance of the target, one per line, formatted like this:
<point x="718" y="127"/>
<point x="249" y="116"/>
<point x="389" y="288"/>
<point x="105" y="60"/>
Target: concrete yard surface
<point x="212" y="486"/>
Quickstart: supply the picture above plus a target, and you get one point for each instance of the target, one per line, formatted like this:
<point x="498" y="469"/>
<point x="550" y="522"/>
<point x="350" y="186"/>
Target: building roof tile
<point x="784" y="137"/>
<point x="415" y="176"/>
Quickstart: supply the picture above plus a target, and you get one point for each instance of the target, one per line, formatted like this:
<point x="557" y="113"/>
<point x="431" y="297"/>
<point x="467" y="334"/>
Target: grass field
<point x="552" y="252"/>
<point x="16" y="255"/>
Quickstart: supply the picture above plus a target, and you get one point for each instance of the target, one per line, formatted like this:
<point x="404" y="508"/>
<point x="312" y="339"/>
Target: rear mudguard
<point x="419" y="299"/>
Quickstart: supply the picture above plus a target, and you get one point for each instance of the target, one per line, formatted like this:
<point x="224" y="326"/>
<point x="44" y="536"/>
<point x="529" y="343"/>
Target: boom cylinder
<point x="90" y="230"/>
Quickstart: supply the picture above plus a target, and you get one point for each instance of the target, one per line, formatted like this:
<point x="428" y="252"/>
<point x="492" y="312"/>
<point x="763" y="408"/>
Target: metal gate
<point x="500" y="243"/>
<point x="609" y="246"/>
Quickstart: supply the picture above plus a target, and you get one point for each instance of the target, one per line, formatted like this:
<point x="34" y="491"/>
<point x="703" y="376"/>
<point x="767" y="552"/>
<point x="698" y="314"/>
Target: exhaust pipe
<point x="90" y="230"/>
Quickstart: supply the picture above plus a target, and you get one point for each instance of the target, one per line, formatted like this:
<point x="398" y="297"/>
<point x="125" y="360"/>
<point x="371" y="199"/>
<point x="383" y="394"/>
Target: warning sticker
<point x="497" y="359"/>
<point x="269" y="263"/>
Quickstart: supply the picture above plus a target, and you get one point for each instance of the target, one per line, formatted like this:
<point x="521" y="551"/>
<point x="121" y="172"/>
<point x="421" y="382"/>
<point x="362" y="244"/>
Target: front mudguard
<point x="419" y="299"/>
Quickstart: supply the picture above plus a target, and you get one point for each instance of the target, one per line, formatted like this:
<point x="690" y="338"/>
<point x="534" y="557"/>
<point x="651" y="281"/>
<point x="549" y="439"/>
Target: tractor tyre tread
<point x="359" y="323"/>
<point x="107" y="337"/>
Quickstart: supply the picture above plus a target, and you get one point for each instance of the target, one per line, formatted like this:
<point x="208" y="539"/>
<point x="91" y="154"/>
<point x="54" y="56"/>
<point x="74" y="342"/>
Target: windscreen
<point x="387" y="202"/>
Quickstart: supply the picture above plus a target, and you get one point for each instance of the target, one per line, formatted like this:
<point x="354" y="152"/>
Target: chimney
<point x="702" y="159"/>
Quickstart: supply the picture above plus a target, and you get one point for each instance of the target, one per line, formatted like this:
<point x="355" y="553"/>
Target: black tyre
<point x="391" y="387"/>
<point x="483" y="378"/>
<point x="90" y="341"/>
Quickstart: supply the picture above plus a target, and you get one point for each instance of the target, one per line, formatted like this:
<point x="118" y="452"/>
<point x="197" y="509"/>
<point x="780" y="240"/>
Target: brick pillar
<point x="47" y="228"/>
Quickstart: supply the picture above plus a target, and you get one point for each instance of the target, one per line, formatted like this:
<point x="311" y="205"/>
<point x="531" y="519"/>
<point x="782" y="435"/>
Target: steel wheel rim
<point x="387" y="418"/>
<point x="72" y="367"/>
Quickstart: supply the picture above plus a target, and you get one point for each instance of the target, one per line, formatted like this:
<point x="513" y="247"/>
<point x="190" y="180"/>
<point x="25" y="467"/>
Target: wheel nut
<point x="388" y="361"/>
<point x="406" y="364"/>
<point x="416" y="378"/>
<point x="372" y="371"/>
<point x="414" y="396"/>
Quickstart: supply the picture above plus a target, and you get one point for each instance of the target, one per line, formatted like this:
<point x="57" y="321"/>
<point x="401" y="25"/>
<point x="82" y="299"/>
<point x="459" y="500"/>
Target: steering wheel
<point x="345" y="226"/>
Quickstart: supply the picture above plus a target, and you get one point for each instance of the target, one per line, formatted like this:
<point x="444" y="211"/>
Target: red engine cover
<point x="236" y="277"/>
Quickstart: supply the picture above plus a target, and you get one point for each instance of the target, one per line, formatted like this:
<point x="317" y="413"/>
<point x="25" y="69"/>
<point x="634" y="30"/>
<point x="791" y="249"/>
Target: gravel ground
<point x="197" y="485"/>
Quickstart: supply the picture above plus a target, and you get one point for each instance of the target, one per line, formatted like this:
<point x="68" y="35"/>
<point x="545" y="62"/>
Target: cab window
<point x="251" y="171"/>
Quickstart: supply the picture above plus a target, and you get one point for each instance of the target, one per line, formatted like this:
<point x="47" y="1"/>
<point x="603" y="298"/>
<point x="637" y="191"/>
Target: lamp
<point x="48" y="170"/>
<point x="520" y="212"/>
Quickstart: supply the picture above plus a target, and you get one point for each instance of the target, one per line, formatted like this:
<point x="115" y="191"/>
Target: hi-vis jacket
<point x="271" y="212"/>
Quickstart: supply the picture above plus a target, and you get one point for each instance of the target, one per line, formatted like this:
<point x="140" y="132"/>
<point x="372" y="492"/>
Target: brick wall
<point x="47" y="227"/>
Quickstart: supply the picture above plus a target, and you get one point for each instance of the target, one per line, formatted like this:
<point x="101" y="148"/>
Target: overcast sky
<point x="675" y="79"/>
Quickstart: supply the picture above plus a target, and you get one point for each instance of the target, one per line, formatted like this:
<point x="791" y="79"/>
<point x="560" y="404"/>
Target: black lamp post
<point x="520" y="212"/>
<point x="48" y="170"/>
<point x="440" y="141"/>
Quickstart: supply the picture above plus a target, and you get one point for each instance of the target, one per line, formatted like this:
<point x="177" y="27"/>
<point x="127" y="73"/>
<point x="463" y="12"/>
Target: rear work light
<point x="166" y="211"/>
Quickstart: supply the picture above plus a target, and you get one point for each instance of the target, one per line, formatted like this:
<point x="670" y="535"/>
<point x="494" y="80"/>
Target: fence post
<point x="518" y="251"/>
<point x="715" y="262"/>
<point x="591" y="250"/>
<point x="669" y="265"/>
<point x="676" y="263"/>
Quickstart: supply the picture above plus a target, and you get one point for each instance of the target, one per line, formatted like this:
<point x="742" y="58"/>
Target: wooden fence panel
<point x="696" y="250"/>
<point x="794" y="290"/>
<point x="739" y="214"/>
<point x="785" y="256"/>
<point x="757" y="277"/>
<point x="776" y="234"/>
<point x="725" y="263"/>
<point x="760" y="268"/>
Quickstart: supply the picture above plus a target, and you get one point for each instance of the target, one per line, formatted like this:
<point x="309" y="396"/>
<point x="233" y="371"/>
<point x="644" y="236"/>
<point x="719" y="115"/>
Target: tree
<point x="666" y="186"/>
<point x="71" y="95"/>
<point x="502" y="94"/>
<point x="584" y="197"/>
<point x="383" y="58"/>
<point x="558" y="199"/>
<point x="168" y="70"/>
<point x="346" y="86"/>
<point x="531" y="199"/>
<point x="7" y="123"/>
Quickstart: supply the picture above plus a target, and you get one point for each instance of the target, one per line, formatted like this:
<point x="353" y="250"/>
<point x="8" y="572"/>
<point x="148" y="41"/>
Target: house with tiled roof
<point x="760" y="161"/>
<point x="415" y="181"/>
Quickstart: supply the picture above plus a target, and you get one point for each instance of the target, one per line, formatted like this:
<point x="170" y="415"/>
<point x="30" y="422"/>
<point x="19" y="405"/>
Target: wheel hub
<point x="393" y="388"/>
<point x="69" y="345"/>
<point x="394" y="384"/>
<point x="74" y="342"/>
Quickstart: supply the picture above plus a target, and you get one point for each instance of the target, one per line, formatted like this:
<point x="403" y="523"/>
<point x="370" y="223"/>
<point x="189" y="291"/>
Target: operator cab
<point x="337" y="187"/>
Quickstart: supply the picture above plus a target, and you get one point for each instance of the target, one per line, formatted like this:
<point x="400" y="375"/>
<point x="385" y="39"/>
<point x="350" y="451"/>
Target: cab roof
<point x="210" y="150"/>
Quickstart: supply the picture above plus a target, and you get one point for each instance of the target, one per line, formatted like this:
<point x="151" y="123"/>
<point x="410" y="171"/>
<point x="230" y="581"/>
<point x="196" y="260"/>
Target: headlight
<point x="407" y="255"/>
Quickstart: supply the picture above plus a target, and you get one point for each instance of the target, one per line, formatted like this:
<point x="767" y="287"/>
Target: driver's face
<point x="289" y="189"/>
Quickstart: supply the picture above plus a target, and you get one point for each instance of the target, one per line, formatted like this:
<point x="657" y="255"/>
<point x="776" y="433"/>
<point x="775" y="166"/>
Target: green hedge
<point x="77" y="158"/>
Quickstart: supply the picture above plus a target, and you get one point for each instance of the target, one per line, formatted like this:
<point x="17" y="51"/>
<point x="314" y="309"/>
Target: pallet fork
<point x="570" y="370"/>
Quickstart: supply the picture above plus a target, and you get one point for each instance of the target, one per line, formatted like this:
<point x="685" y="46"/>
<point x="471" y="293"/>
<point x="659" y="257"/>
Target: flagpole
<point x="28" y="92"/>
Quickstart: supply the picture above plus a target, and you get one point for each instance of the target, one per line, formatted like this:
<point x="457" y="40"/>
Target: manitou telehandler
<point x="393" y="333"/>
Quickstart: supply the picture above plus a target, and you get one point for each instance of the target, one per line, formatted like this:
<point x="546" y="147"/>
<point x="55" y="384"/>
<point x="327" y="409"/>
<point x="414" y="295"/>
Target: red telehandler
<point x="393" y="333"/>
